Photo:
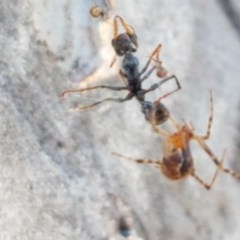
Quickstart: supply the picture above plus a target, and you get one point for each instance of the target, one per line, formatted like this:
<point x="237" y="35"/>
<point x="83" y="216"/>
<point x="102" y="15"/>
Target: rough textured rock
<point x="58" y="177"/>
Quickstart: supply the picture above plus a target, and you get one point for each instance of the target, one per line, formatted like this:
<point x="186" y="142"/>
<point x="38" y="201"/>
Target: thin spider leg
<point x="178" y="87"/>
<point x="174" y="123"/>
<point x="214" y="158"/>
<point x="79" y="108"/>
<point x="206" y="185"/>
<point x="191" y="126"/>
<point x="64" y="93"/>
<point x="142" y="161"/>
<point x="231" y="172"/>
<point x="219" y="167"/>
<point x="210" y="119"/>
<point x="206" y="149"/>
<point x="160" y="131"/>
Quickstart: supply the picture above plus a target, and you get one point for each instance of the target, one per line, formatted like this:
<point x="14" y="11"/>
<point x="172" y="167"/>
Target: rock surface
<point x="58" y="177"/>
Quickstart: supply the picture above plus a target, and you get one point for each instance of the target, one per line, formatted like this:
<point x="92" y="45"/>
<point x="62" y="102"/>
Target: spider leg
<point x="206" y="185"/>
<point x="64" y="93"/>
<point x="206" y="149"/>
<point x="142" y="161"/>
<point x="210" y="119"/>
<point x="174" y="123"/>
<point x="79" y="108"/>
<point x="214" y="158"/>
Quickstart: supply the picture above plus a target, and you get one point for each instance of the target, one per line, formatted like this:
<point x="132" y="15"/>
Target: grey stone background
<point x="58" y="179"/>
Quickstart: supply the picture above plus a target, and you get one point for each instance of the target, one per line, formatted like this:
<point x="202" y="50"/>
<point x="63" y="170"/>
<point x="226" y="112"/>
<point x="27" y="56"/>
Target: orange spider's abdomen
<point x="173" y="164"/>
<point x="177" y="159"/>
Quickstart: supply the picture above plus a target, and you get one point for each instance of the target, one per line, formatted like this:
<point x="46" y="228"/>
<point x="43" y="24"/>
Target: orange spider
<point x="177" y="162"/>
